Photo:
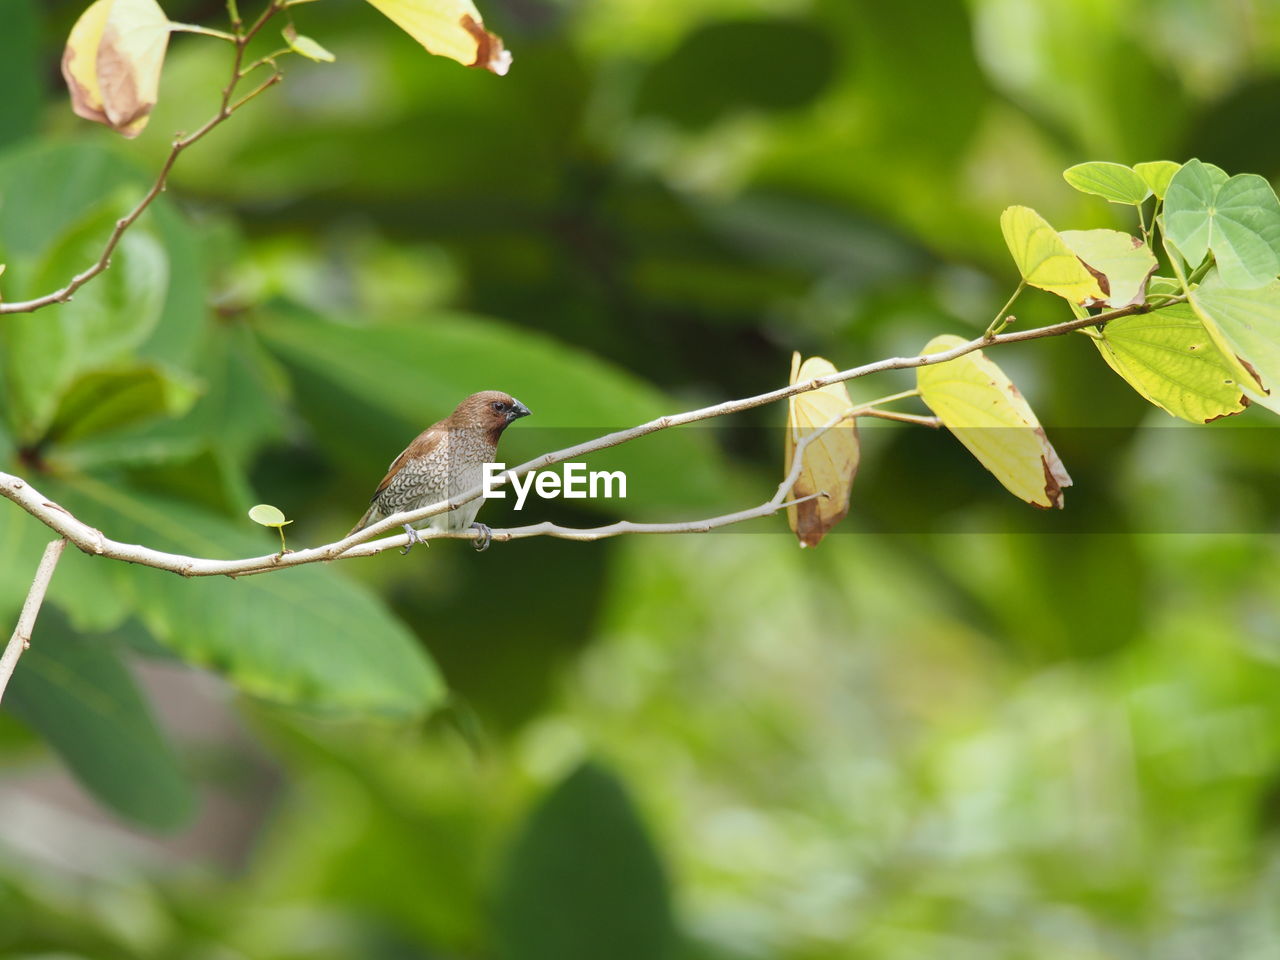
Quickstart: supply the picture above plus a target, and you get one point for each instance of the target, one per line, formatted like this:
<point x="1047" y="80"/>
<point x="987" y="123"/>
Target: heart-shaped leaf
<point x="1237" y="218"/>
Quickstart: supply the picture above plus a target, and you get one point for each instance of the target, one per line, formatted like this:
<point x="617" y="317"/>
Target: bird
<point x="444" y="461"/>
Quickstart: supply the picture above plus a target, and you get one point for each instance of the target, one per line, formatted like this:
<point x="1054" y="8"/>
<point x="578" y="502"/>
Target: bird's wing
<point x="422" y="446"/>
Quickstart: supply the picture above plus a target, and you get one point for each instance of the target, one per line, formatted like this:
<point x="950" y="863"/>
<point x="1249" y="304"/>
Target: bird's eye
<point x="498" y="405"/>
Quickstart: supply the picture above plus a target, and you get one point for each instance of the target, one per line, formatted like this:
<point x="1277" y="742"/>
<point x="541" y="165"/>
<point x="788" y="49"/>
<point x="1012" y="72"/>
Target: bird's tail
<point x="370" y="515"/>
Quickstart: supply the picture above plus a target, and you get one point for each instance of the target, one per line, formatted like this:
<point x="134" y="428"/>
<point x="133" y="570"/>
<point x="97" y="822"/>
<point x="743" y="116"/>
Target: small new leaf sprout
<point x="304" y="45"/>
<point x="269" y="516"/>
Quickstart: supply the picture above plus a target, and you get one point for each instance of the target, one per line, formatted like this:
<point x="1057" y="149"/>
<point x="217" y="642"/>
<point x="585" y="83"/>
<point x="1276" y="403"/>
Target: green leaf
<point x="1172" y="361"/>
<point x="57" y="206"/>
<point x="1237" y="218"/>
<point x="76" y="693"/>
<point x="1245" y="324"/>
<point x="100" y="327"/>
<point x="368" y="390"/>
<point x="304" y="45"/>
<point x="306" y="636"/>
<point x="1045" y="260"/>
<point x="107" y="400"/>
<point x="267" y="515"/>
<point x="1164" y="286"/>
<point x="1112" y="181"/>
<point x="1124" y="260"/>
<point x="583" y="881"/>
<point x="984" y="410"/>
<point x="1156" y="174"/>
<point x="241" y="409"/>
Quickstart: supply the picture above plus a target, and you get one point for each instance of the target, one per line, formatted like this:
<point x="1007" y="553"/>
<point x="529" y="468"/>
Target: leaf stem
<point x="203" y="31"/>
<point x="915" y="418"/>
<point x="1002" y="320"/>
<point x="903" y="395"/>
<point x="1199" y="272"/>
<point x="1175" y="262"/>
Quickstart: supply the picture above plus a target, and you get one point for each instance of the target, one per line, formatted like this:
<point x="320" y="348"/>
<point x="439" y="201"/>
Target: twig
<point x="227" y="107"/>
<point x="363" y="543"/>
<point x="933" y="422"/>
<point x="21" y="638"/>
<point x="1002" y="318"/>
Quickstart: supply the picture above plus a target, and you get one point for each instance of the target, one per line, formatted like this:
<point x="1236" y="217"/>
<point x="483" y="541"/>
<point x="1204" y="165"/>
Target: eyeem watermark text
<point x="575" y="484"/>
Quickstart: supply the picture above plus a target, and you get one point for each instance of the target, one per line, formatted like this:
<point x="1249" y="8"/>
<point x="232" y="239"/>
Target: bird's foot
<point x="484" y="537"/>
<point x="414" y="537"/>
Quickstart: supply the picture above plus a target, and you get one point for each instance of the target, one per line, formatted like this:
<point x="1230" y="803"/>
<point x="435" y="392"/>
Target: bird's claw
<point x="483" y="536"/>
<point x="413" y="538"/>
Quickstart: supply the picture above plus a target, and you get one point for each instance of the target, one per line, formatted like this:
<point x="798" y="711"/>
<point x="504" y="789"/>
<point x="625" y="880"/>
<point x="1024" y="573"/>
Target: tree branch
<point x="363" y="542"/>
<point x="21" y="638"/>
<point x="736" y="406"/>
<point x="242" y="37"/>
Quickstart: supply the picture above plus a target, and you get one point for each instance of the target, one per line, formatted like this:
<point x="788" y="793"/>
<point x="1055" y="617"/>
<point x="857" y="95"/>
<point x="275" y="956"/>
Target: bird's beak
<point x="518" y="410"/>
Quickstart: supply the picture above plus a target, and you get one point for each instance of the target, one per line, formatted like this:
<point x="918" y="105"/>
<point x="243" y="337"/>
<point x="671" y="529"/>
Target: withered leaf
<point x="112" y="62"/>
<point x="449" y="28"/>
<point x="830" y="462"/>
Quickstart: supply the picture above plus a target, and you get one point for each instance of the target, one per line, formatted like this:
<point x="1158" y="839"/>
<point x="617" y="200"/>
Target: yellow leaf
<point x="449" y="28"/>
<point x="112" y="62"/>
<point x="1045" y="260"/>
<point x="981" y="406"/>
<point x="830" y="462"/>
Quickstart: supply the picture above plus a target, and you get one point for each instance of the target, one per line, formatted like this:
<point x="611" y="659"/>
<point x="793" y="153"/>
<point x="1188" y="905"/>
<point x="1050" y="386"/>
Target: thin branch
<point x="363" y="543"/>
<point x="21" y="638"/>
<point x="242" y="37"/>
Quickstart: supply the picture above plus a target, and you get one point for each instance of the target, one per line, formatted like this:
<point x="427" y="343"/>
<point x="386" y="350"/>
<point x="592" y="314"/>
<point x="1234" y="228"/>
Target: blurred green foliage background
<point x="959" y="728"/>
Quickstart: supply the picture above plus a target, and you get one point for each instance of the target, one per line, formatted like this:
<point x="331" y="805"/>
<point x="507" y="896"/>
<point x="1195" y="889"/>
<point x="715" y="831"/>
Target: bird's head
<point x="490" y="410"/>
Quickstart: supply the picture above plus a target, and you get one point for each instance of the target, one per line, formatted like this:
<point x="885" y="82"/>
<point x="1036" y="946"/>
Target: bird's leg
<point x="414" y="537"/>
<point x="485" y="536"/>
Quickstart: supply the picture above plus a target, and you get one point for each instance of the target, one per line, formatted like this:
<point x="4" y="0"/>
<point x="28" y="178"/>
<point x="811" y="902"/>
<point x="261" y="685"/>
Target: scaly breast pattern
<point x="453" y="467"/>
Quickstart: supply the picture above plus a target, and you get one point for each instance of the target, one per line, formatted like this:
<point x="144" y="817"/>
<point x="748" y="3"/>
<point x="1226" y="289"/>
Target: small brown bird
<point x="446" y="460"/>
